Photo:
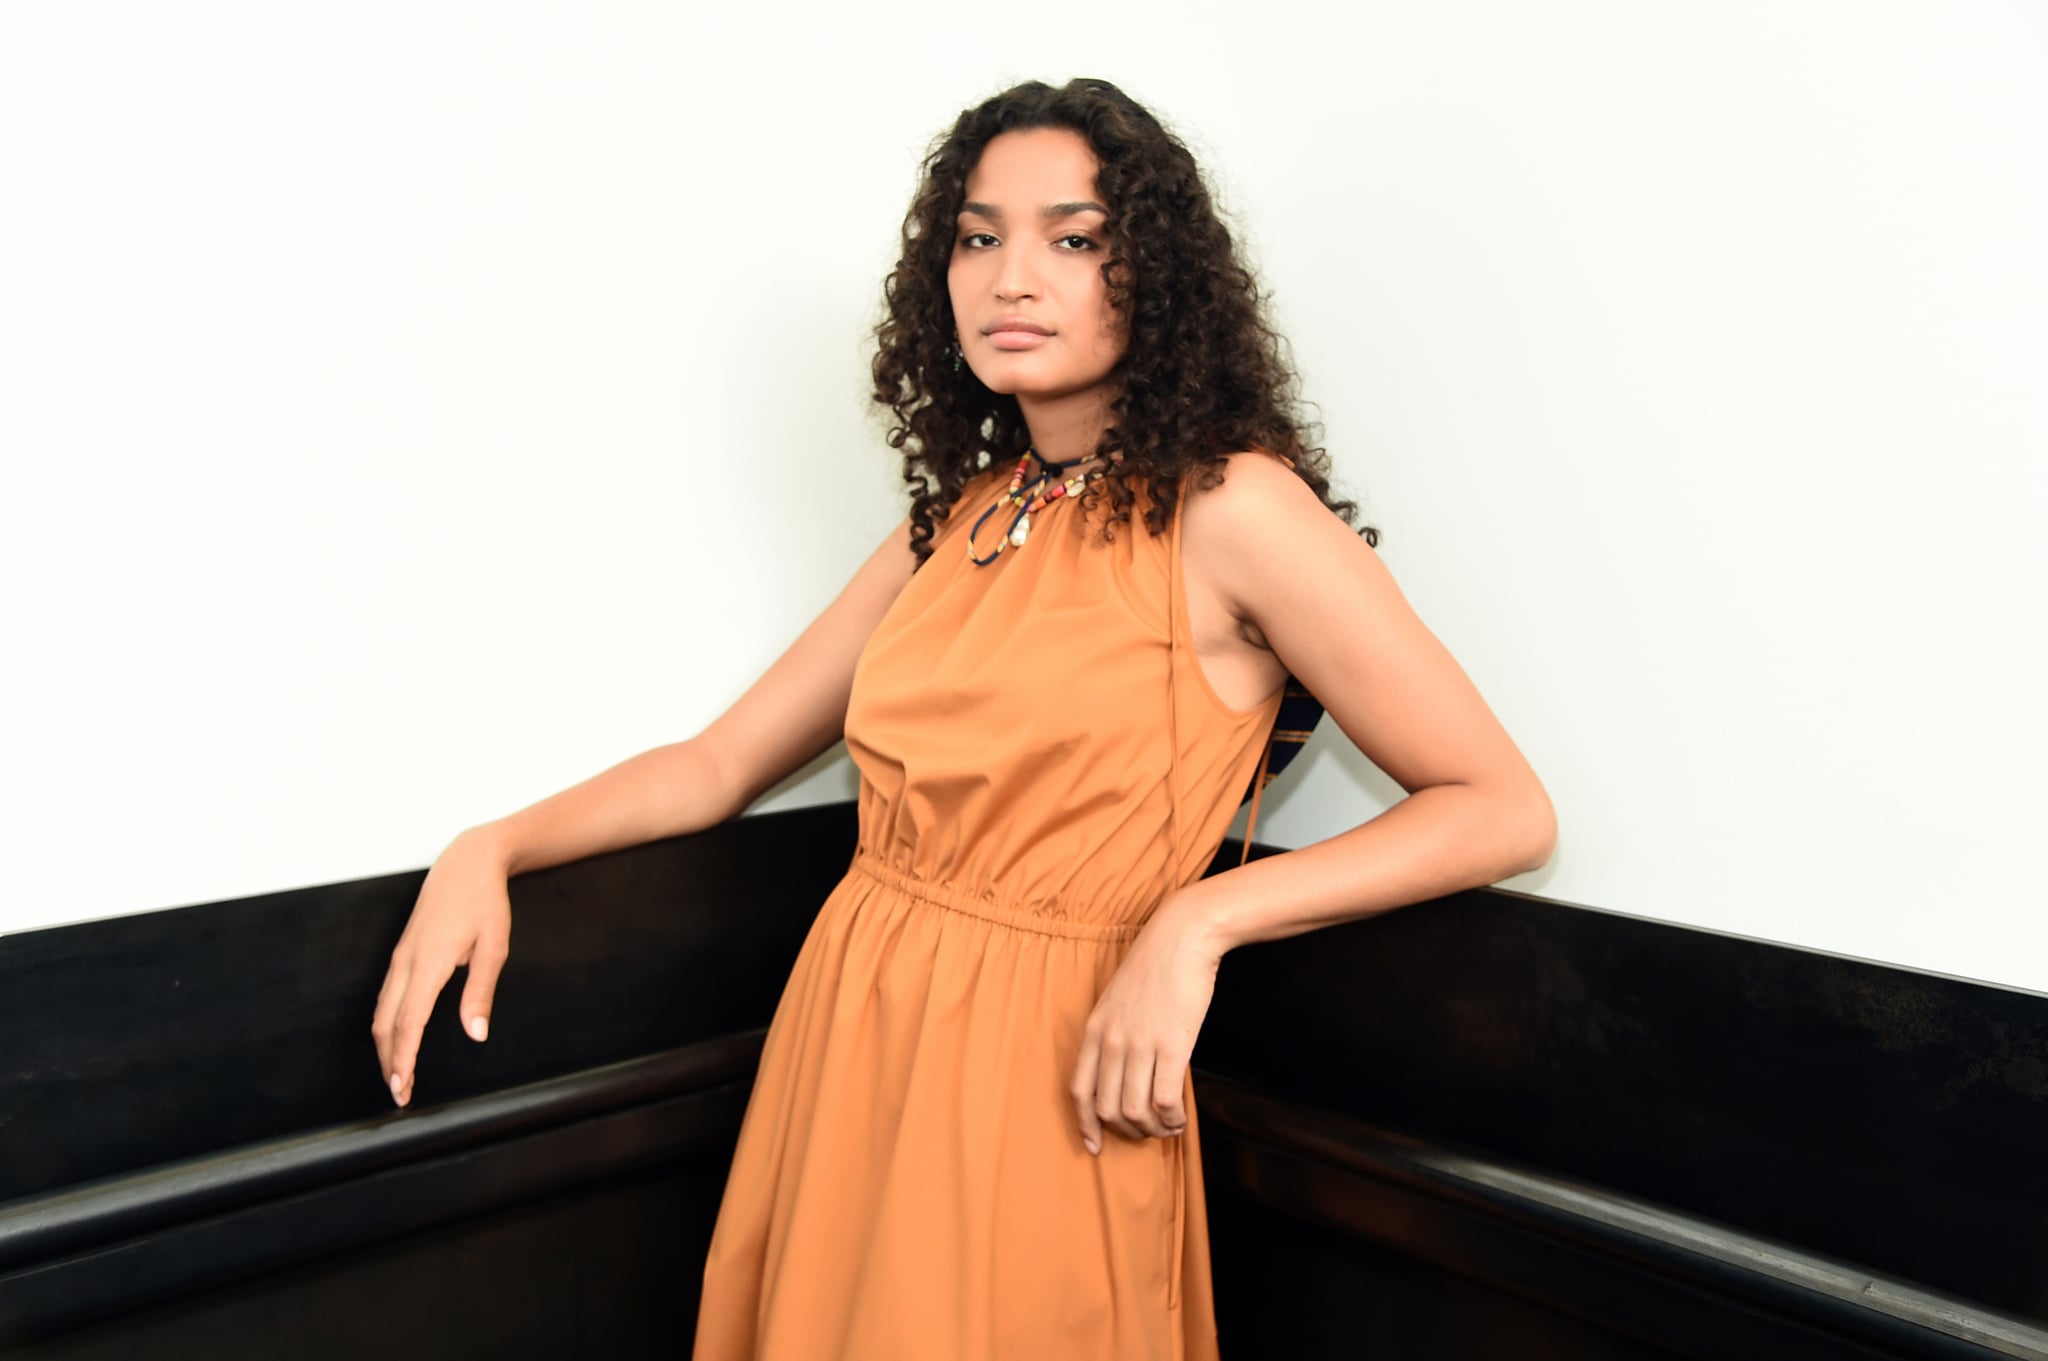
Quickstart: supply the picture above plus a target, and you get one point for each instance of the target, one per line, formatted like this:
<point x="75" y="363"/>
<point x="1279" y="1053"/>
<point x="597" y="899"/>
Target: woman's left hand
<point x="1135" y="1049"/>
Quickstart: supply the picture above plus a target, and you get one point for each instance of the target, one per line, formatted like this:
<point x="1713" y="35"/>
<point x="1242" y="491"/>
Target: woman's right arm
<point x="796" y="710"/>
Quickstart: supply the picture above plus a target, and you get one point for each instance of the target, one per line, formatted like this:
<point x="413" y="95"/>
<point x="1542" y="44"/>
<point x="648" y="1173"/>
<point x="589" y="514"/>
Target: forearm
<point x="668" y="791"/>
<point x="1435" y="842"/>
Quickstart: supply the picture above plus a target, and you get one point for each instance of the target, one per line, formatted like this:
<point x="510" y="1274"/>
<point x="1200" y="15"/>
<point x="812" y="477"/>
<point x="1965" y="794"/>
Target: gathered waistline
<point x="959" y="900"/>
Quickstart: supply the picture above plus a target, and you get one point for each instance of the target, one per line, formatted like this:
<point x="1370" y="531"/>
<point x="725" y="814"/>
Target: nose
<point x="1016" y="278"/>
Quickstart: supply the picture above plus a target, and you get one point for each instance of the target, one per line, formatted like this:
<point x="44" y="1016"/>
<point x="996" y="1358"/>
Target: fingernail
<point x="397" y="1087"/>
<point x="478" y="1027"/>
<point x="1091" y="1146"/>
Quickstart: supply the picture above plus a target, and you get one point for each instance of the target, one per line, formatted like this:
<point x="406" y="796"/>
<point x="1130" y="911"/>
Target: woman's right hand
<point x="794" y="712"/>
<point x="463" y="916"/>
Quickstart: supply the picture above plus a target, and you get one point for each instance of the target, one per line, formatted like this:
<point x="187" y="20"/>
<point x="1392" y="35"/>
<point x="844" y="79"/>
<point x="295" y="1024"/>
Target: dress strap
<point x="1173" y="588"/>
<point x="1259" y="782"/>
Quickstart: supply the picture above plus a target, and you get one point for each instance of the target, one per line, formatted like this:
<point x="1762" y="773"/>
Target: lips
<point x="1024" y="324"/>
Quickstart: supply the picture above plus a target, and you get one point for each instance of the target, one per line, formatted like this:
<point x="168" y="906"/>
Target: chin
<point x="1043" y="391"/>
<point x="1013" y="384"/>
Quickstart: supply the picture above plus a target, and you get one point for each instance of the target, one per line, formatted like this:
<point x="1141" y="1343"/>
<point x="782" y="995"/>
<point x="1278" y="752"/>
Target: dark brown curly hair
<point x="1203" y="375"/>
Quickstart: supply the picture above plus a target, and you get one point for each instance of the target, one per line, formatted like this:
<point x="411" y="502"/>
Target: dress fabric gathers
<point x="1041" y="761"/>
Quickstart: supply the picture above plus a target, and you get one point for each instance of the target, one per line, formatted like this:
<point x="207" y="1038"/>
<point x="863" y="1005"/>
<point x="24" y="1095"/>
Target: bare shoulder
<point x="1259" y="527"/>
<point x="1260" y="494"/>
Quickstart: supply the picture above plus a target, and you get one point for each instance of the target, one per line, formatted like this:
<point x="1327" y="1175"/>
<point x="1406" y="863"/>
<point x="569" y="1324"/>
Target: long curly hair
<point x="1203" y="375"/>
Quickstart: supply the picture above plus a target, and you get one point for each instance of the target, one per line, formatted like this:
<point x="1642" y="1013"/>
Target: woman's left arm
<point x="1475" y="813"/>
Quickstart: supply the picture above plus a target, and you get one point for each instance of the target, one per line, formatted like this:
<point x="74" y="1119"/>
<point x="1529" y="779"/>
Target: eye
<point x="968" y="240"/>
<point x="1087" y="242"/>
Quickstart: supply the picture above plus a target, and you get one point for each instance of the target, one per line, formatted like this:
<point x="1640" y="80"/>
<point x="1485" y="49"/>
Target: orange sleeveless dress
<point x="1041" y="761"/>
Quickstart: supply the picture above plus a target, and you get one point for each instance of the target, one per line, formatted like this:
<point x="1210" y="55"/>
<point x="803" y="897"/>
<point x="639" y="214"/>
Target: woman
<point x="972" y="1132"/>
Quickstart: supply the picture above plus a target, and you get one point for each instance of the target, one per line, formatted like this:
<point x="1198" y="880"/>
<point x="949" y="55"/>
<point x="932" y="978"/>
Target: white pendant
<point x="1022" y="532"/>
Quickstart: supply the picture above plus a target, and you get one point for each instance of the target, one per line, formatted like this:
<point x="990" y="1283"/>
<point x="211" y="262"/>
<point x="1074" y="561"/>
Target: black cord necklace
<point x="1044" y="490"/>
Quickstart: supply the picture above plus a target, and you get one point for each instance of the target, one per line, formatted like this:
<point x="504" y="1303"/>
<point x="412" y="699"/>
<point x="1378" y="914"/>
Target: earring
<point x="956" y="352"/>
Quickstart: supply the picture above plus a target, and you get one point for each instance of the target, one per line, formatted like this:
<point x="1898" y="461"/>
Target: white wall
<point x="408" y="410"/>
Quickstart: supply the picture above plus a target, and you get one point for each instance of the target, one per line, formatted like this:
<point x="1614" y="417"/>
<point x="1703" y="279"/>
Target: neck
<point x="1066" y="429"/>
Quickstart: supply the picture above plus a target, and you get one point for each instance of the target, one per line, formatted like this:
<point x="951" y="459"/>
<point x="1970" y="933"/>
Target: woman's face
<point x="1030" y="245"/>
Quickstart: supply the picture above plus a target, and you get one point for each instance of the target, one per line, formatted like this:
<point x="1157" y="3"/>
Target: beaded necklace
<point x="1046" y="490"/>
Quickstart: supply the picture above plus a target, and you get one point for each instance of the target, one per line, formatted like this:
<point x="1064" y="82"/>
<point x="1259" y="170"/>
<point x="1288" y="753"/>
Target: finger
<point x="424" y="986"/>
<point x="485" y="962"/>
<point x="384" y="1023"/>
<point x="1109" y="1090"/>
<point x="1137" y="1092"/>
<point x="1083" y="1092"/>
<point x="1169" y="1084"/>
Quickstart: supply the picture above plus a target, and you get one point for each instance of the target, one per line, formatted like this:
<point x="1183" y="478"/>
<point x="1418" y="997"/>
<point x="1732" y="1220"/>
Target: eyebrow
<point x="1050" y="212"/>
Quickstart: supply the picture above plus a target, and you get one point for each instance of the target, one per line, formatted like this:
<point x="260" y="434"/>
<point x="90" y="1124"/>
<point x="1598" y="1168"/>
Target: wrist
<point x="488" y="842"/>
<point x="1196" y="913"/>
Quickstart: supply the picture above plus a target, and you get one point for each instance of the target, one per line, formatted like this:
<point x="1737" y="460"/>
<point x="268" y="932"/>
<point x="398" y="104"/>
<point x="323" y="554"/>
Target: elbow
<point x="1538" y="840"/>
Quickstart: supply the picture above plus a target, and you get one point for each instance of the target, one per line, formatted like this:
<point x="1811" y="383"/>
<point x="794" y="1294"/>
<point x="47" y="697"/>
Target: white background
<point x="411" y="409"/>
